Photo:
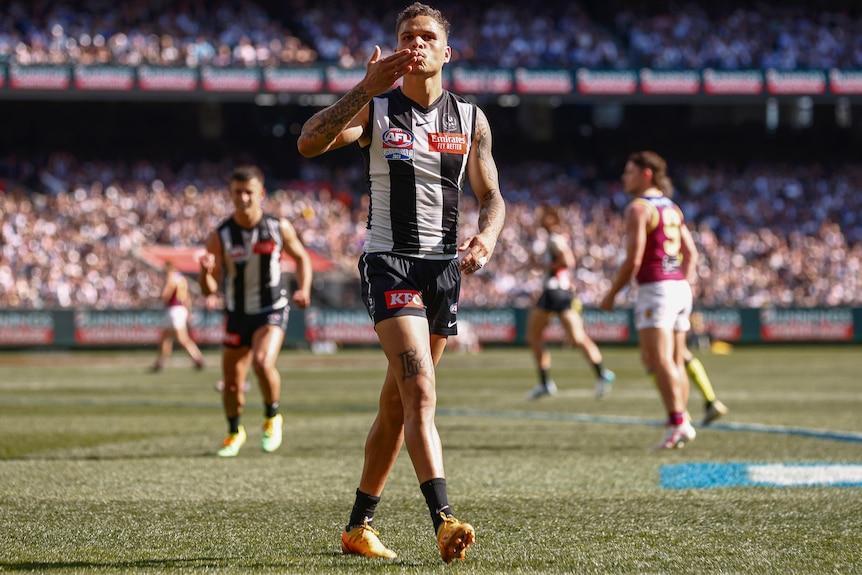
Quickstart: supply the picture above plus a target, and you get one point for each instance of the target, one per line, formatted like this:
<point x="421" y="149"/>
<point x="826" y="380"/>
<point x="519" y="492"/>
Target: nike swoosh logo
<point x="423" y="123"/>
<point x="451" y="323"/>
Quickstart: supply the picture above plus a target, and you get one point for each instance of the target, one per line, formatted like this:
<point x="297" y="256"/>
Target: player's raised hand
<point x="207" y="261"/>
<point x="382" y="73"/>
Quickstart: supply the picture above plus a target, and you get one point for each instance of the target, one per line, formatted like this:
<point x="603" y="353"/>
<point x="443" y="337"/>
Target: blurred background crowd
<point x="770" y="234"/>
<point x="611" y="34"/>
<point x="85" y="186"/>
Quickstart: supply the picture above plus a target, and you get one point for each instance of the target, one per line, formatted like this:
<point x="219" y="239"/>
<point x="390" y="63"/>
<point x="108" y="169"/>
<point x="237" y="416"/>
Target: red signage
<point x="39" y="78"/>
<point x="543" y="81"/>
<point x="289" y="80"/>
<point x="799" y="83"/>
<point x="118" y="327"/>
<point x="672" y="82"/>
<point x="806" y="324"/>
<point x="607" y="326"/>
<point x="720" y="82"/>
<point x="722" y="324"/>
<point x="104" y="78"/>
<point x="482" y="81"/>
<point x="167" y="79"/>
<point x="340" y="81"/>
<point x="845" y="82"/>
<point x="341" y="326"/>
<point x="612" y="82"/>
<point x="491" y="325"/>
<point x="26" y="328"/>
<point x="230" y="79"/>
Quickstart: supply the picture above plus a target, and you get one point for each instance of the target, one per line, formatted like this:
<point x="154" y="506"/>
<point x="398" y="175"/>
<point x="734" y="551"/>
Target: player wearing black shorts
<point x="244" y="257"/>
<point x="419" y="143"/>
<point x="558" y="299"/>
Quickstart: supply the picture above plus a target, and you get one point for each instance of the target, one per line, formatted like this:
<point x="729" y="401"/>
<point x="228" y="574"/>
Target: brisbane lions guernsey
<point x="416" y="164"/>
<point x="662" y="259"/>
<point x="252" y="266"/>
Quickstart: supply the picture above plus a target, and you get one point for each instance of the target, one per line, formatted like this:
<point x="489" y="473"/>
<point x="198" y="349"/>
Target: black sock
<point x="599" y="369"/>
<point x="363" y="509"/>
<point x="543" y="377"/>
<point x="434" y="491"/>
<point x="233" y="424"/>
<point x="270" y="409"/>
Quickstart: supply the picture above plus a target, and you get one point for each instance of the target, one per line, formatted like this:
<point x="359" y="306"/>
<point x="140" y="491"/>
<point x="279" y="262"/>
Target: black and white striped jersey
<point x="252" y="266"/>
<point x="416" y="164"/>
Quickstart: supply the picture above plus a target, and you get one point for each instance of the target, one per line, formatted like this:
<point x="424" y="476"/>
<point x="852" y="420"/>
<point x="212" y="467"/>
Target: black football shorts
<point x="394" y="285"/>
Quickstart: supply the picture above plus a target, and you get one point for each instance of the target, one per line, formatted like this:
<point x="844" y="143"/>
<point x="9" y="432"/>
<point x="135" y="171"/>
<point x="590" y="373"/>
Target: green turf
<point x="106" y="468"/>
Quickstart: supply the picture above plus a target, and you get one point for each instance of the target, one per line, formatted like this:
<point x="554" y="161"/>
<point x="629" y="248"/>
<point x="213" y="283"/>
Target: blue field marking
<point x="712" y="475"/>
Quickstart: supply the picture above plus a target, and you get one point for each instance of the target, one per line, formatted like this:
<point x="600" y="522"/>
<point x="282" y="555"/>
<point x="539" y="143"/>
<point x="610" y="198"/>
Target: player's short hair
<point x="647" y="159"/>
<point x="246" y="173"/>
<point x="418" y="9"/>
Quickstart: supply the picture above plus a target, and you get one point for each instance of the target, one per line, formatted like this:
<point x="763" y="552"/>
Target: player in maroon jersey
<point x="661" y="257"/>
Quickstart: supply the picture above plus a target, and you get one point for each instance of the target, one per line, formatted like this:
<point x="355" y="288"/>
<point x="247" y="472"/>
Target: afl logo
<point x="397" y="144"/>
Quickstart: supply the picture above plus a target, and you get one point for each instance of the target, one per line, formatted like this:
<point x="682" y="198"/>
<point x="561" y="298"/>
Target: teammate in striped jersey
<point x="419" y="143"/>
<point x="243" y="257"/>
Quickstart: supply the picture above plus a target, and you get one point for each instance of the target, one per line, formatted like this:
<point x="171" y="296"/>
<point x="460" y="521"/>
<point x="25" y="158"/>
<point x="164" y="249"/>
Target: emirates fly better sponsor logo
<point x="264" y="247"/>
<point x="447" y="143"/>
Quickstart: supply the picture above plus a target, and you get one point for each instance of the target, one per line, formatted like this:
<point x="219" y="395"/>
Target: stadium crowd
<point x="769" y="235"/>
<point x="614" y="34"/>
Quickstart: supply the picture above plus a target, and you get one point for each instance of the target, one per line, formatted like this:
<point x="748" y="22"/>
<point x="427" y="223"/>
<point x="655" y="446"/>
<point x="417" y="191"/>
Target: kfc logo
<point x="404" y="298"/>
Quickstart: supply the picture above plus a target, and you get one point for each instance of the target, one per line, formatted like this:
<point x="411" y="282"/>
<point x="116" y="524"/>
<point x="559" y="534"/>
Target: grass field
<point x="106" y="468"/>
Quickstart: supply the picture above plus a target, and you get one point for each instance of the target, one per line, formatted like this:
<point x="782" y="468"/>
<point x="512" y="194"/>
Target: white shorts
<point x="665" y="304"/>
<point x="176" y="316"/>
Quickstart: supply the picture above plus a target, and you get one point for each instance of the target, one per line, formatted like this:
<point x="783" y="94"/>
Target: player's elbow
<point x="307" y="148"/>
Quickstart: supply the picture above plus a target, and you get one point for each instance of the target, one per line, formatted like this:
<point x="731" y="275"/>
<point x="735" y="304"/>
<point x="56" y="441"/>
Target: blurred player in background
<point x="178" y="304"/>
<point x="419" y="143"/>
<point x="558" y="299"/>
<point x="244" y="257"/>
<point x="661" y="257"/>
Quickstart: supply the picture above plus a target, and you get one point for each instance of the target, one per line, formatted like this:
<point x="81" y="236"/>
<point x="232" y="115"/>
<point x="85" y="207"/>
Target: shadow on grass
<point x="40" y="566"/>
<point x="118" y="457"/>
<point x="203" y="563"/>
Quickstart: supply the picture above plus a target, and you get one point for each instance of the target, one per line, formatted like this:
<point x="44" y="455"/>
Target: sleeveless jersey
<point x="561" y="278"/>
<point x="415" y="167"/>
<point x="662" y="259"/>
<point x="175" y="300"/>
<point x="252" y="266"/>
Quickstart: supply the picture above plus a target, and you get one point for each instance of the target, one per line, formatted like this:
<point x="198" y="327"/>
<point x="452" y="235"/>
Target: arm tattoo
<point x="483" y="143"/>
<point x="329" y="122"/>
<point x="413" y="364"/>
<point x="492" y="212"/>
